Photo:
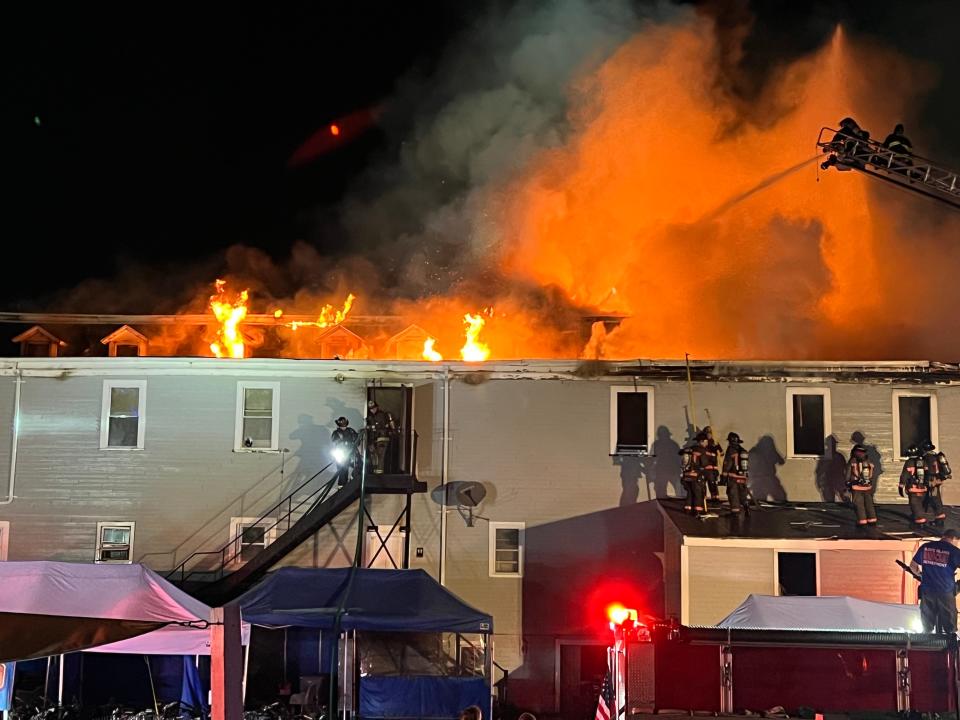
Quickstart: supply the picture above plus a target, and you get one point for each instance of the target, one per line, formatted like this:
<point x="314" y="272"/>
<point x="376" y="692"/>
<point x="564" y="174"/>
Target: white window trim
<point x="243" y="385"/>
<point x="776" y="567"/>
<point x="235" y="522"/>
<point x="117" y="524"/>
<point x="4" y="539"/>
<point x="616" y="390"/>
<point x="827" y="416"/>
<point x="934" y="419"/>
<point x="492" y="549"/>
<point x="108" y="385"/>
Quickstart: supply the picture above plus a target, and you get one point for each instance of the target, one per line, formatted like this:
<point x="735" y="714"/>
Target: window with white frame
<point x="631" y="420"/>
<point x="914" y="420"/>
<point x="506" y="549"/>
<point x="808" y="421"/>
<point x="122" y="414"/>
<point x="4" y="538"/>
<point x="248" y="536"/>
<point x="115" y="542"/>
<point x="257" y="426"/>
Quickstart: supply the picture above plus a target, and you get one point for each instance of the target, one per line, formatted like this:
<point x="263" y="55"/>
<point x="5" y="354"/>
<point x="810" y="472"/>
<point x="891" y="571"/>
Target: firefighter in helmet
<point x="712" y="466"/>
<point x="938" y="472"/>
<point x="381" y="430"/>
<point x="844" y="142"/>
<point x="913" y="484"/>
<point x="344" y="440"/>
<point x="690" y="477"/>
<point x="860" y="476"/>
<point x="736" y="465"/>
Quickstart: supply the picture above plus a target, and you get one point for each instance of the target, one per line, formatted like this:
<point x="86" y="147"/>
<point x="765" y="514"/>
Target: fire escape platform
<point x="316" y="517"/>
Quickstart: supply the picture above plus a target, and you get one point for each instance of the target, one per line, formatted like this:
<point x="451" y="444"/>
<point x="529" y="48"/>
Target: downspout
<point x="14" y="437"/>
<point x="444" y="470"/>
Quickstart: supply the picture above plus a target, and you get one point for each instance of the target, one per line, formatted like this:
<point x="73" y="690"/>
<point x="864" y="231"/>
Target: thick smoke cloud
<point x="580" y="157"/>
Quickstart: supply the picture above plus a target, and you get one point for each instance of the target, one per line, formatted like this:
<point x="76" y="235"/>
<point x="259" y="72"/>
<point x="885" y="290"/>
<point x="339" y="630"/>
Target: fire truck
<point x="846" y="151"/>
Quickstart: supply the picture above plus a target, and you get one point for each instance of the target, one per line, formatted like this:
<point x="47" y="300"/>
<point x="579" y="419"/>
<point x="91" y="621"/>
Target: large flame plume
<point x="229" y="313"/>
<point x="473" y="349"/>
<point x="329" y="315"/>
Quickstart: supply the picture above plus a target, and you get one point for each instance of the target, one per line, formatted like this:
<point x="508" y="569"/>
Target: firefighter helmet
<point x="342" y="422"/>
<point x="848" y="122"/>
<point x="732" y="437"/>
<point x="927" y="446"/>
<point x="913" y="450"/>
<point x="701" y="436"/>
<point x="371" y="404"/>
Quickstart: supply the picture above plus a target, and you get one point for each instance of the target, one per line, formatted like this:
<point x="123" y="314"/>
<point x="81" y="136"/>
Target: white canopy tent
<point x="768" y="612"/>
<point x="49" y="608"/>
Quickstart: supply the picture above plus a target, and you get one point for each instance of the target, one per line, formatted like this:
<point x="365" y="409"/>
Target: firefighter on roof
<point x="735" y="468"/>
<point x="860" y="483"/>
<point x="913" y="484"/>
<point x="712" y="466"/>
<point x="381" y="430"/>
<point x="691" y="478"/>
<point x="938" y="472"/>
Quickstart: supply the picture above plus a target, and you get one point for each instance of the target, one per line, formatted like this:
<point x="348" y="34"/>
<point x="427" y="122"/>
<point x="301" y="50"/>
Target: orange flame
<point x="229" y="314"/>
<point x="473" y="350"/>
<point x="429" y="353"/>
<point x="334" y="130"/>
<point x="329" y="315"/>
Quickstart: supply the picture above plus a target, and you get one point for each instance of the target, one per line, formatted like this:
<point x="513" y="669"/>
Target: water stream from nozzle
<point x="762" y="185"/>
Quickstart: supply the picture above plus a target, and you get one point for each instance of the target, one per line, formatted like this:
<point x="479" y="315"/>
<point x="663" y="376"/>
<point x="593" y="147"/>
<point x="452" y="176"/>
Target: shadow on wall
<point x="573" y="569"/>
<point x="831" y="473"/>
<point x="764" y="482"/>
<point x="660" y="471"/>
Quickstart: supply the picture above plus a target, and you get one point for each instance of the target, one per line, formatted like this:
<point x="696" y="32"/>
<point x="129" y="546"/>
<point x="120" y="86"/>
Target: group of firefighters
<point x="701" y="472"/>
<point x="381" y="431"/>
<point x="850" y="133"/>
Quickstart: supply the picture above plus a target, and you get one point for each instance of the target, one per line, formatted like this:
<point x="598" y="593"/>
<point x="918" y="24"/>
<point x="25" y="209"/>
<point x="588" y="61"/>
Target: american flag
<point x="606" y="699"/>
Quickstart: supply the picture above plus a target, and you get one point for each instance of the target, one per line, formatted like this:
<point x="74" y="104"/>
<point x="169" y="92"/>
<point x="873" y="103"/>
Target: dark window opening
<point x="914" y="421"/>
<point x="797" y="573"/>
<point x="809" y="432"/>
<point x="128" y="351"/>
<point x="632" y="429"/>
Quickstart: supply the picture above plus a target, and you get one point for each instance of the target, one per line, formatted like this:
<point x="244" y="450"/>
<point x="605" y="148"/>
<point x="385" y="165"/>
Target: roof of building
<point x="800" y="521"/>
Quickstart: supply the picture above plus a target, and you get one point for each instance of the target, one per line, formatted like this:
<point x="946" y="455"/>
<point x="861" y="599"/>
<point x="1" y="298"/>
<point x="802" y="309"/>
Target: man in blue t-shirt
<point x="937" y="563"/>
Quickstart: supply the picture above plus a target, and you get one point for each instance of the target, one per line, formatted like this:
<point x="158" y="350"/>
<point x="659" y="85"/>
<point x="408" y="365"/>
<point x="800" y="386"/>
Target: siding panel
<point x="722" y="578"/>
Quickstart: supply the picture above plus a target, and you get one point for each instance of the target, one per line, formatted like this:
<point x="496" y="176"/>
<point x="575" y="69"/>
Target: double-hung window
<point x="257" y="425"/>
<point x="122" y="414"/>
<point x="506" y="549"/>
<point x="115" y="542"/>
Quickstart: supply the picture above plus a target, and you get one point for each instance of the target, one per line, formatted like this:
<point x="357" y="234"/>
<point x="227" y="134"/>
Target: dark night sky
<point x="165" y="134"/>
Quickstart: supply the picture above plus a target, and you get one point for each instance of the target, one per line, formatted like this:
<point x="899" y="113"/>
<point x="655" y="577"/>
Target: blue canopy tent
<point x="382" y="605"/>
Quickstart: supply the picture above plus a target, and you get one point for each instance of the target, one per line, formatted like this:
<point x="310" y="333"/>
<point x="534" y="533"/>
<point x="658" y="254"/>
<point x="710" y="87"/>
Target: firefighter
<point x="860" y="483"/>
<point x="712" y="468"/>
<point x="898" y="142"/>
<point x="735" y="468"/>
<point x="691" y="479"/>
<point x="913" y="484"/>
<point x="381" y="430"/>
<point x="937" y="563"/>
<point x="344" y="440"/>
<point x="844" y="142"/>
<point x="938" y="472"/>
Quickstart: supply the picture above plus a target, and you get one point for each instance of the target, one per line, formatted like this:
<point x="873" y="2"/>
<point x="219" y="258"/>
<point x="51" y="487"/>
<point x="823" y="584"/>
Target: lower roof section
<point x="797" y="522"/>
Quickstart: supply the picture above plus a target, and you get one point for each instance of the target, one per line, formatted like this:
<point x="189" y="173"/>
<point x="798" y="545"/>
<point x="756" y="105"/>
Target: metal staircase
<point x="218" y="576"/>
<point x="908" y="171"/>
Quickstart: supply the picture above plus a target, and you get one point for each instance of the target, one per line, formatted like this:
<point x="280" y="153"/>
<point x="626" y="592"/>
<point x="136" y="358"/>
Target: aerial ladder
<point x="908" y="171"/>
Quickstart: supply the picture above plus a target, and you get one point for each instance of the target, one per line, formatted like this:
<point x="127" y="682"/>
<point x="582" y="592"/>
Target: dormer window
<point x="37" y="342"/>
<point x="125" y="342"/>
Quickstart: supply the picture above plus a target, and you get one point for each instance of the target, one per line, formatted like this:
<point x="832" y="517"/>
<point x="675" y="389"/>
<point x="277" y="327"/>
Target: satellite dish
<point x="459" y="493"/>
<point x="464" y="495"/>
<point x="470" y="494"/>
